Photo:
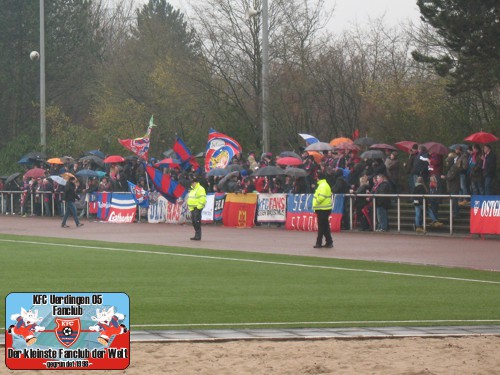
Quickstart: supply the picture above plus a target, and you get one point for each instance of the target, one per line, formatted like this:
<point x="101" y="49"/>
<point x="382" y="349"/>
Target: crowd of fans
<point x="463" y="171"/>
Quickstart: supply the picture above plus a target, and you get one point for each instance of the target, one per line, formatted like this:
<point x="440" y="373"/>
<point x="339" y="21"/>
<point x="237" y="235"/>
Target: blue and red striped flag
<point x="167" y="187"/>
<point x="188" y="160"/>
<point x="220" y="150"/>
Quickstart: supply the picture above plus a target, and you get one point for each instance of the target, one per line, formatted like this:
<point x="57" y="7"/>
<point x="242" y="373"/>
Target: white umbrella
<point x="319" y="146"/>
<point x="58" y="179"/>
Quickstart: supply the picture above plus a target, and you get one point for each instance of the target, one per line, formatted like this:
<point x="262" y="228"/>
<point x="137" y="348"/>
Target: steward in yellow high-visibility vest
<point x="323" y="196"/>
<point x="197" y="198"/>
<point x="322" y="206"/>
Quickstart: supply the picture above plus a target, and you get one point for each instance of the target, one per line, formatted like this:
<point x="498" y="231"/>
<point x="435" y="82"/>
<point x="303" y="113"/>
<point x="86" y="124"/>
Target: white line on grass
<point x="256" y="261"/>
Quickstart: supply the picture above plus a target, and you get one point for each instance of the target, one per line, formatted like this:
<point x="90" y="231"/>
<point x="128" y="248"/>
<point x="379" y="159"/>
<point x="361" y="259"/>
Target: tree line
<point x="111" y="65"/>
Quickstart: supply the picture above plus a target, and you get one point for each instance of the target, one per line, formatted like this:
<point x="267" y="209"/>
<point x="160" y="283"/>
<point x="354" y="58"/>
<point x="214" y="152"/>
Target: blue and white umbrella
<point x="60" y="180"/>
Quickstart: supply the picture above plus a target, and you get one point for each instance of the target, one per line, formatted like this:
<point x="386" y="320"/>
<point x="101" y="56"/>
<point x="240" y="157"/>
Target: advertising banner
<point x="157" y="208"/>
<point x="122" y="208"/>
<point x="114" y="207"/>
<point x="300" y="215"/>
<point x="271" y="208"/>
<point x="207" y="215"/>
<point x="219" y="200"/>
<point x="485" y="214"/>
<point x="176" y="212"/>
<point x="239" y="210"/>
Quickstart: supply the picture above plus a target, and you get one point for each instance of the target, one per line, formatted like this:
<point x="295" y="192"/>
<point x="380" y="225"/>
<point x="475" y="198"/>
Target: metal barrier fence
<point x="399" y="198"/>
<point x="51" y="204"/>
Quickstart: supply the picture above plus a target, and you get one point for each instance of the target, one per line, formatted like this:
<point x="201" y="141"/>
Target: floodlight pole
<point x="265" y="76"/>
<point x="43" y="135"/>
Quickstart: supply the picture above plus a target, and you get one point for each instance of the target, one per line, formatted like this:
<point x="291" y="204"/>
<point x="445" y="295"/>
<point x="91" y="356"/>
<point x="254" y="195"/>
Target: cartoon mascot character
<point x="107" y="324"/>
<point x="26" y="326"/>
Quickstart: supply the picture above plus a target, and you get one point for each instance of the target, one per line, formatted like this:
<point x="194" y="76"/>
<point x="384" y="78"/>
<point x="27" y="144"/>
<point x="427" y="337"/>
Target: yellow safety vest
<point x="322" y="196"/>
<point x="197" y="197"/>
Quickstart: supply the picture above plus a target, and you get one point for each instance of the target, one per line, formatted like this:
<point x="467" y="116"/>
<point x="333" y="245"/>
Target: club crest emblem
<point x="67" y="330"/>
<point x="476" y="206"/>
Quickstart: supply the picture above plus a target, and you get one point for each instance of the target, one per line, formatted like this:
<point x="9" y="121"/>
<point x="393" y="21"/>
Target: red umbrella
<point x="405" y="146"/>
<point x="482" y="138"/>
<point x="114" y="159"/>
<point x="168" y="163"/>
<point x="35" y="173"/>
<point x="289" y="160"/>
<point x="383" y="146"/>
<point x="436" y="148"/>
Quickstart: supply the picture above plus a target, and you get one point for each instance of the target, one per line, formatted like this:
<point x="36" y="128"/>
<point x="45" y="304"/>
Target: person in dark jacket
<point x="69" y="197"/>
<point x="382" y="203"/>
<point x="421" y="166"/>
<point x="409" y="166"/>
<point x="452" y="178"/>
<point x="489" y="169"/>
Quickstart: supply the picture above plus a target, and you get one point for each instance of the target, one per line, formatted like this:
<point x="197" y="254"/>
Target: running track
<point x="389" y="247"/>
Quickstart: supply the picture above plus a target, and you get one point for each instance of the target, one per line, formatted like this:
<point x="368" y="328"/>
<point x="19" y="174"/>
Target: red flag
<point x="139" y="146"/>
<point x="355" y="134"/>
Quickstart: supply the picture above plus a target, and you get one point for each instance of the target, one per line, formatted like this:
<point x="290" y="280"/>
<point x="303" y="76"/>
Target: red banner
<point x="485" y="214"/>
<point x="239" y="210"/>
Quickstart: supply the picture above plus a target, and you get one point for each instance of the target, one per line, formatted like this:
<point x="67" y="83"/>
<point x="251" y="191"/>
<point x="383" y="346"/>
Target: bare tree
<point x="233" y="48"/>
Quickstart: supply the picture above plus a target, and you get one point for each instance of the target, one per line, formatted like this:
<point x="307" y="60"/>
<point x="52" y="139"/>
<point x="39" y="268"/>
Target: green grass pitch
<point x="181" y="288"/>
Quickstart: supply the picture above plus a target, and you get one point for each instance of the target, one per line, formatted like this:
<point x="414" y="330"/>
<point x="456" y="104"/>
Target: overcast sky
<point x="349" y="12"/>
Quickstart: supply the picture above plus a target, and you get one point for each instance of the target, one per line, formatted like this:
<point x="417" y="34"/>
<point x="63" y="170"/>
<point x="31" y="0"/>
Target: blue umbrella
<point x="26" y="160"/>
<point x="461" y="145"/>
<point x="86" y="173"/>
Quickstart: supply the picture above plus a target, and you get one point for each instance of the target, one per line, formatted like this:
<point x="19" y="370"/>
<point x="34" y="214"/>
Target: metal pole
<point x="43" y="137"/>
<point x="265" y="75"/>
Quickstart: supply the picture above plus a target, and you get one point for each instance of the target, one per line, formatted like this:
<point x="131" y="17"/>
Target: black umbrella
<point x="270" y="170"/>
<point x="290" y="154"/>
<point x="12" y="177"/>
<point x="234" y="168"/>
<point x="97" y="153"/>
<point x="35" y="155"/>
<point x="382" y="146"/>
<point x="365" y="141"/>
<point x="217" y="172"/>
<point x="295" y="172"/>
<point x="94" y="158"/>
<point x="67" y="159"/>
<point x="372" y="154"/>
